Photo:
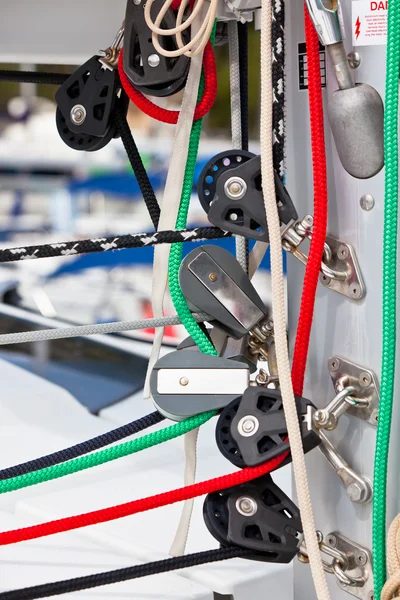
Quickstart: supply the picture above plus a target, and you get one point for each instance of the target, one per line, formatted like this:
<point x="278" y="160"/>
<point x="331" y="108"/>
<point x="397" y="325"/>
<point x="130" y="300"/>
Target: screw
<point x="343" y="252"/>
<point x="355" y="290"/>
<point x="371" y="595"/>
<point x="354" y="59"/>
<point x="213" y="277"/>
<point x="153" y="60"/>
<point x="365" y="379"/>
<point x="325" y="280"/>
<point x="137" y="2"/>
<point x="184" y="381"/>
<point x="332" y="541"/>
<point x="321" y="417"/>
<point x="78" y="114"/>
<point x="235" y="188"/>
<point x="354" y="492"/>
<point x="334" y="364"/>
<point x="367" y="202"/>
<point x="246" y="506"/>
<point x="361" y="559"/>
<point x="248" y="426"/>
<point x="233" y="217"/>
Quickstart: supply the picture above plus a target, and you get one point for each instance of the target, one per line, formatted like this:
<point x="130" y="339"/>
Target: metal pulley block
<point x="185" y="383"/>
<point x="151" y="72"/>
<point x="252" y="429"/>
<point x="256" y="515"/>
<point x="230" y="191"/>
<point x="213" y="282"/>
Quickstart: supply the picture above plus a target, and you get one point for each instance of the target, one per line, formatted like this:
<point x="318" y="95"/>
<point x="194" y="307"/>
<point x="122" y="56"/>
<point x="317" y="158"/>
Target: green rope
<point x="105" y="456"/>
<point x="175" y="257"/>
<point x="389" y="295"/>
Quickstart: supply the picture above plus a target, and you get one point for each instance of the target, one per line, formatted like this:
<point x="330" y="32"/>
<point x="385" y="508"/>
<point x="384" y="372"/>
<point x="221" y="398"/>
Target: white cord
<point x="241" y="243"/>
<point x="198" y="41"/>
<point x="61" y="333"/>
<point x="278" y="308"/>
<point x="170" y="204"/>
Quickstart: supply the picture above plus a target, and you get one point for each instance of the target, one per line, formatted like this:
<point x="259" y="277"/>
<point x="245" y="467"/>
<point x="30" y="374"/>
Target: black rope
<point x="278" y="82"/>
<point x="127" y="574"/>
<point x="83" y="448"/>
<point x="33" y="77"/>
<point x="138" y="167"/>
<point x="122" y="242"/>
<point x="244" y="82"/>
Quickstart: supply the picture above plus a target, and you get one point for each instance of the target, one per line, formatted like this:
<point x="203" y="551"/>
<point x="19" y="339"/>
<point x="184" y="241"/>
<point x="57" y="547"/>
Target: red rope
<point x="302" y="337"/>
<point x="171" y="116"/>
<point x="320" y="208"/>
<point x="138" y="506"/>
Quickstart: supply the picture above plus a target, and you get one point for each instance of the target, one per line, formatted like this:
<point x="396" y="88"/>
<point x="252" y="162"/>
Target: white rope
<point x="170" y="204"/>
<point x="198" y="41"/>
<point x="60" y="333"/>
<point x="391" y="589"/>
<point x="236" y="122"/>
<point x="278" y="308"/>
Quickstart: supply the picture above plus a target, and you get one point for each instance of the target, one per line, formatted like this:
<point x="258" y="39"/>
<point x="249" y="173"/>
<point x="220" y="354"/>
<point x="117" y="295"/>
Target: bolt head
<point x="235" y="188"/>
<point x="367" y="202"/>
<point x="153" y="60"/>
<point x="334" y="364"/>
<point x="332" y="541"/>
<point x="246" y="506"/>
<point x="233" y="217"/>
<point x="354" y="59"/>
<point x="213" y="277"/>
<point x="354" y="492"/>
<point x="365" y="379"/>
<point x="184" y="381"/>
<point x="361" y="559"/>
<point x="343" y="252"/>
<point x="248" y="426"/>
<point x="78" y="114"/>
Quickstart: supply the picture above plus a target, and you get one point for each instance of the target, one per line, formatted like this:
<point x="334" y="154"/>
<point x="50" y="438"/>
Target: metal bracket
<point x="345" y="373"/>
<point x="358" y="488"/>
<point x="343" y="259"/>
<point x="359" y="565"/>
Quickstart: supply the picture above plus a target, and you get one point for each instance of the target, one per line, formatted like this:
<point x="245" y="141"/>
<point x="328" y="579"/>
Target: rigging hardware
<point x="363" y="381"/>
<point x="149" y="71"/>
<point x="230" y="191"/>
<point x="256" y="515"/>
<point x="350" y="563"/>
<point x="185" y="383"/>
<point x="88" y="100"/>
<point x="211" y="277"/>
<point x="252" y="429"/>
<point x="355" y="111"/>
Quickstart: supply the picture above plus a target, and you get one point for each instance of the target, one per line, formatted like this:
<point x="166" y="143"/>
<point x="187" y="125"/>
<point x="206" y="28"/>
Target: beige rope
<point x="391" y="589"/>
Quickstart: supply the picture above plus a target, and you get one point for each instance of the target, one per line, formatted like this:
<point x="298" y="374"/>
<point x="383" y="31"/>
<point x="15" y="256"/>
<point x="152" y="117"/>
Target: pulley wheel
<point x="81" y="141"/>
<point x="207" y="183"/>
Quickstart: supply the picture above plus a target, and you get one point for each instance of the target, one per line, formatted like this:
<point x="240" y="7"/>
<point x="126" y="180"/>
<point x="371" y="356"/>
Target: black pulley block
<point x="230" y="191"/>
<point x="150" y="72"/>
<point x="87" y="99"/>
<point x="252" y="429"/>
<point x="256" y="515"/>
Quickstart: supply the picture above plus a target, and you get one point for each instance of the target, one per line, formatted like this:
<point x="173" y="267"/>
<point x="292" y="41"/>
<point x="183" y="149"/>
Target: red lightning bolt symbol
<point x="358" y="26"/>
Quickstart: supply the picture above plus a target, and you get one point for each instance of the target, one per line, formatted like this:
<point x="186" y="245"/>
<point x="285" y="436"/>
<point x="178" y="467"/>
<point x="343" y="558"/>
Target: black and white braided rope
<point x="105" y="244"/>
<point x="278" y="82"/>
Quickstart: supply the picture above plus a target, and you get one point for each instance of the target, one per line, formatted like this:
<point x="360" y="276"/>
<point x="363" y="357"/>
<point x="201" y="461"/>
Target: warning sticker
<point x="369" y="19"/>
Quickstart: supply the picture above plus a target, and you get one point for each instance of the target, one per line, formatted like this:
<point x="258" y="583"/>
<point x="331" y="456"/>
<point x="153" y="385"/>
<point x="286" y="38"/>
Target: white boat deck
<point x="36" y="418"/>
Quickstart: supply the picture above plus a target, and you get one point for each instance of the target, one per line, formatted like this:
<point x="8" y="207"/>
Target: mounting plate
<point x="344" y="259"/>
<point x="364" y="380"/>
<point x="359" y="565"/>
